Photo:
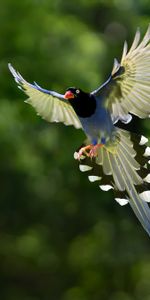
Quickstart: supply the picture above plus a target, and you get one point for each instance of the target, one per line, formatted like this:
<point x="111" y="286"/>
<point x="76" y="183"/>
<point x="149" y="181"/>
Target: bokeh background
<point x="60" y="236"/>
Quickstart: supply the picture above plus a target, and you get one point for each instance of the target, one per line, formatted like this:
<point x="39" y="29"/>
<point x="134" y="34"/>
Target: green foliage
<point x="60" y="236"/>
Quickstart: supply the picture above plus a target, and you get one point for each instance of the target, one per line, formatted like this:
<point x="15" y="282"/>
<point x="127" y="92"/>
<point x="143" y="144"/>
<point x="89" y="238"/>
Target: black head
<point x="73" y="92"/>
<point x="83" y="103"/>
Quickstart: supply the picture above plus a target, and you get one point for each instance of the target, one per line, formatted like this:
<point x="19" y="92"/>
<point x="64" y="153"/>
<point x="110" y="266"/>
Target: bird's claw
<point x="89" y="151"/>
<point x="94" y="150"/>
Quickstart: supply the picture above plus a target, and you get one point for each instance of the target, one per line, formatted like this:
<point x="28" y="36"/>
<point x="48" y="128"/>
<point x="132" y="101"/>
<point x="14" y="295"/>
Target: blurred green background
<point x="60" y="236"/>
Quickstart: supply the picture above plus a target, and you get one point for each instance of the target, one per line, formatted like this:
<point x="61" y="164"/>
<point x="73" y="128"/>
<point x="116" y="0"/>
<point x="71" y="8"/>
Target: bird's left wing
<point x="128" y="88"/>
<point x="50" y="105"/>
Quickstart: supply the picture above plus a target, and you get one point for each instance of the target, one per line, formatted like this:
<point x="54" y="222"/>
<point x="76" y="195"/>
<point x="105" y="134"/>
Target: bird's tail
<point x="124" y="167"/>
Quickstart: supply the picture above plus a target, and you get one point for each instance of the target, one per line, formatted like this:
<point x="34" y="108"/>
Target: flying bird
<point x="117" y="159"/>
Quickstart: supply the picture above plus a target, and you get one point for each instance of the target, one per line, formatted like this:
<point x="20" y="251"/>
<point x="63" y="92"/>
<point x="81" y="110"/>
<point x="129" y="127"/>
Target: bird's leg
<point x="89" y="150"/>
<point x="84" y="150"/>
<point x="94" y="150"/>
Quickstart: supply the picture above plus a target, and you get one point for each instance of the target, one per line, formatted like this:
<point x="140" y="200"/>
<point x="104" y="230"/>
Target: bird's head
<point x="73" y="93"/>
<point x="83" y="103"/>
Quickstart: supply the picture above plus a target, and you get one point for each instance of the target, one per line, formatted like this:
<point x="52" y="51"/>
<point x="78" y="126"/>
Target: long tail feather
<point x="124" y="167"/>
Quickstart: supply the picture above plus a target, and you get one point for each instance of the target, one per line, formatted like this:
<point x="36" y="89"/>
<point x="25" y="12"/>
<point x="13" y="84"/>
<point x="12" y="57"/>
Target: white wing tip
<point x="122" y="201"/>
<point x="147" y="178"/>
<point x="93" y="178"/>
<point x="116" y="66"/>
<point x="106" y="187"/>
<point x="147" y="152"/>
<point x="127" y="119"/>
<point x="17" y="76"/>
<point x="84" y="168"/>
<point x="145" y="196"/>
<point x="143" y="140"/>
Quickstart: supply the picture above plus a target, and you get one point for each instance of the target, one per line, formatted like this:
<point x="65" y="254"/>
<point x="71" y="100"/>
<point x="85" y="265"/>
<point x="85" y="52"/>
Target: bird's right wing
<point x="128" y="88"/>
<point x="51" y="106"/>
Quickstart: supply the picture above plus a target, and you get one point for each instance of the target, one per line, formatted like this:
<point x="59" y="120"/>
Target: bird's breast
<point x="84" y="107"/>
<point x="98" y="124"/>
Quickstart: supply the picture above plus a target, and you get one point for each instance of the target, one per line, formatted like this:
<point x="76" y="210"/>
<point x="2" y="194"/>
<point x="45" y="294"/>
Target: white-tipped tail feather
<point x="124" y="170"/>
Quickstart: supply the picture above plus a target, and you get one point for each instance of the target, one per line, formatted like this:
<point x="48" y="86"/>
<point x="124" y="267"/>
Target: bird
<point x="115" y="158"/>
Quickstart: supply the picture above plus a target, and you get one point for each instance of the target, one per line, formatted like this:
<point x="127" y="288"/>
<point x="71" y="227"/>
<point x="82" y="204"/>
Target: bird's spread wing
<point x="50" y="105"/>
<point x="128" y="88"/>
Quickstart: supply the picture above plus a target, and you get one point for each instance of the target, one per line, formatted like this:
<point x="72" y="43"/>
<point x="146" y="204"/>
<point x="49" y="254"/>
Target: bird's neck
<point x="84" y="106"/>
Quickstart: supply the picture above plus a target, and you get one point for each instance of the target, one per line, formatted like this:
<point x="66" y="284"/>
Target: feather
<point x="50" y="105"/>
<point x="121" y="171"/>
<point x="128" y="89"/>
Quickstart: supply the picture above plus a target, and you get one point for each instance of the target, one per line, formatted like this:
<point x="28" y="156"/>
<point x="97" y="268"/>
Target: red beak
<point x="69" y="95"/>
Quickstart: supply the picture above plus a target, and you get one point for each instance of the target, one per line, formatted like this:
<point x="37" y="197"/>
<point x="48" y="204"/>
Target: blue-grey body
<point x="99" y="126"/>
